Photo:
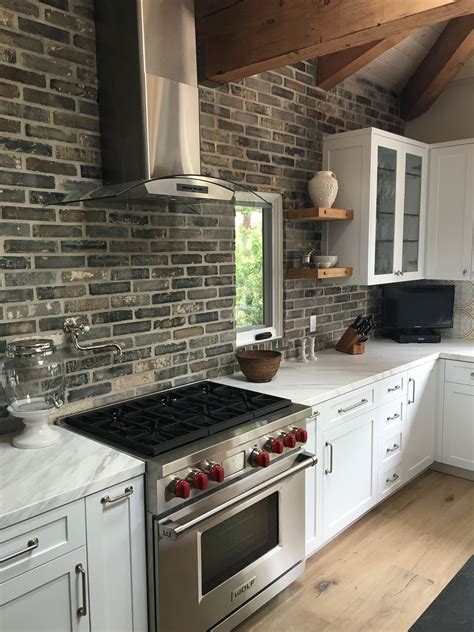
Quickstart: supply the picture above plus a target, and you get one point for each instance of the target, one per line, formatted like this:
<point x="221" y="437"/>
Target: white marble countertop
<point x="34" y="481"/>
<point x="335" y="373"/>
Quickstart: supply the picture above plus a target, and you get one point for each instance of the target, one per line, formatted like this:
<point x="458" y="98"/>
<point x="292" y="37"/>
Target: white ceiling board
<point x="393" y="69"/>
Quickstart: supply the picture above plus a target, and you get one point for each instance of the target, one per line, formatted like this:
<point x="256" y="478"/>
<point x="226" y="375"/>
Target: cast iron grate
<point x="161" y="422"/>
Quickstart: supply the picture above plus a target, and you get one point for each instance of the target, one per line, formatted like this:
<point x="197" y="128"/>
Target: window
<point x="259" y="269"/>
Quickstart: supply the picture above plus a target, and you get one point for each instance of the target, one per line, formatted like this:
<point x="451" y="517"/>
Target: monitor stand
<point x="415" y="335"/>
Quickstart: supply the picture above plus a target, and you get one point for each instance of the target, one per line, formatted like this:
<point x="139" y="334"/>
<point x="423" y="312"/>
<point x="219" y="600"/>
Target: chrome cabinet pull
<point x="412" y="401"/>
<point x="30" y="545"/>
<point x="174" y="530"/>
<point x="392" y="479"/>
<point x="464" y="271"/>
<point x="108" y="500"/>
<point x="393" y="417"/>
<point x="394" y="388"/>
<point x="329" y="470"/>
<point x="394" y="448"/>
<point x="472" y="374"/>
<point x="349" y="408"/>
<point x="82" y="610"/>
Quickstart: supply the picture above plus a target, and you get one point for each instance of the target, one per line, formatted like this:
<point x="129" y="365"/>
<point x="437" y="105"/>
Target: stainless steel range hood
<point x="149" y="105"/>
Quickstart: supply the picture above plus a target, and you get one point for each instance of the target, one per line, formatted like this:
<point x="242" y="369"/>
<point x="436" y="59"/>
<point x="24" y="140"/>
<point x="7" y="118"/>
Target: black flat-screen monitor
<point x="420" y="306"/>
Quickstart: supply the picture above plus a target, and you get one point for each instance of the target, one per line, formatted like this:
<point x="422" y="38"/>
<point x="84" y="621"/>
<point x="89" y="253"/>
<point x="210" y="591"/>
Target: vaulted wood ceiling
<point x="239" y="38"/>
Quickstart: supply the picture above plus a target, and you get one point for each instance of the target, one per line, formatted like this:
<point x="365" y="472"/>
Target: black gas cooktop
<point x="163" y="421"/>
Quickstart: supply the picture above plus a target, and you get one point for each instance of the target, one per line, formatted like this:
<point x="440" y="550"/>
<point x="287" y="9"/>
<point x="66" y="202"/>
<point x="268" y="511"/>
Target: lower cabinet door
<point x="49" y="598"/>
<point x="349" y="477"/>
<point x="420" y="419"/>
<point x="458" y="426"/>
<point x="115" y="526"/>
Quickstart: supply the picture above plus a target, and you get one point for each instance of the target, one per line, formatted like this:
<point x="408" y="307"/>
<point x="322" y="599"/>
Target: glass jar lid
<point x="30" y="347"/>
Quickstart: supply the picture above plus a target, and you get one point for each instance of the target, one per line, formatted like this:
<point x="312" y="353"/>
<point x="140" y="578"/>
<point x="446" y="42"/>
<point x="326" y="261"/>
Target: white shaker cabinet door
<point x="449" y="238"/>
<point x="49" y="598"/>
<point x="458" y="426"/>
<point x="115" y="524"/>
<point x="348" y="470"/>
<point x="421" y="419"/>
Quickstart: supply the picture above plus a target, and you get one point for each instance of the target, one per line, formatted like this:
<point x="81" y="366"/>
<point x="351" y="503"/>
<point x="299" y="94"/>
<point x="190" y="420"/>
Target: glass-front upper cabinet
<point x="383" y="178"/>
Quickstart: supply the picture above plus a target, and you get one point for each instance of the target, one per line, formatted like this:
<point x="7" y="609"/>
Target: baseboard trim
<point x="452" y="470"/>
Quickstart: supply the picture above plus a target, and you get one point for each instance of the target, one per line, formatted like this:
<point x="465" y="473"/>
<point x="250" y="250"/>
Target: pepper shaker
<point x="311" y="344"/>
<point x="302" y="356"/>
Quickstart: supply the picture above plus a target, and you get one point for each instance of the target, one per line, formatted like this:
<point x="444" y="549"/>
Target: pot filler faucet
<point x="77" y="328"/>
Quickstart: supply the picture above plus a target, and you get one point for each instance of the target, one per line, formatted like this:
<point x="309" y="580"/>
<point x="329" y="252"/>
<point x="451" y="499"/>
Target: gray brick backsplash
<point x="160" y="282"/>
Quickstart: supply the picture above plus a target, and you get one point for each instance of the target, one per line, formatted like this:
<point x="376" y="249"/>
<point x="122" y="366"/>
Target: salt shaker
<point x="310" y="346"/>
<point x="302" y="356"/>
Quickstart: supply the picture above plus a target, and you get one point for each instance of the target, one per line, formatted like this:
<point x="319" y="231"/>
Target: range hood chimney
<point x="149" y="104"/>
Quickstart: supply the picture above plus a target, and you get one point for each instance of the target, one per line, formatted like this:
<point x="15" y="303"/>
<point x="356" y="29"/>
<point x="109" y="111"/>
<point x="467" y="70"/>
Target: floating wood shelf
<point x="318" y="273"/>
<point x="320" y="214"/>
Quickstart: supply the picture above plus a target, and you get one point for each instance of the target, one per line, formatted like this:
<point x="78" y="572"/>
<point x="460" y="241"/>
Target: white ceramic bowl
<point x="325" y="261"/>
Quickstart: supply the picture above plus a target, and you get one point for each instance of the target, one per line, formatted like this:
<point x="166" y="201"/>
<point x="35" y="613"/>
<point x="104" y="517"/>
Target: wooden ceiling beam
<point x="448" y="54"/>
<point x="334" y="68"/>
<point x="239" y="38"/>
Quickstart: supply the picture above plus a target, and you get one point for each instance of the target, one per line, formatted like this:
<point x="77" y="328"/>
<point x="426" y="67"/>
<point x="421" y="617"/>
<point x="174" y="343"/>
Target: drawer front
<point x="389" y="480"/>
<point x="390" y="447"/>
<point x="348" y="406"/>
<point x="459" y="372"/>
<point x="391" y="416"/>
<point x="393" y="387"/>
<point x="28" y="544"/>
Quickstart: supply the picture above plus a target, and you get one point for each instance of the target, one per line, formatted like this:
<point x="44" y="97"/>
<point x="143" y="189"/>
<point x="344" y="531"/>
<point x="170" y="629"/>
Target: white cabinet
<point x="419" y="435"/>
<point x="457" y="419"/>
<point x="115" y="522"/>
<point x="450" y="252"/>
<point x="53" y="562"/>
<point x="49" y="598"/>
<point x="349" y="477"/>
<point x="383" y="177"/>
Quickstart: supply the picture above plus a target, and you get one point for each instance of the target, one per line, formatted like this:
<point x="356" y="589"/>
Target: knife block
<point x="348" y="342"/>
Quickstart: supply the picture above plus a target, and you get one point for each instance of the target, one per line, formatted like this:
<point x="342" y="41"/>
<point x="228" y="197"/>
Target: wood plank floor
<point x="382" y="573"/>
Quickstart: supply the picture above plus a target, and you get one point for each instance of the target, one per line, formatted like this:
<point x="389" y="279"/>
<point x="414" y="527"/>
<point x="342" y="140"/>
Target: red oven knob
<point x="289" y="439"/>
<point x="217" y="473"/>
<point x="199" y="481"/>
<point x="182" y="489"/>
<point x="259" y="458"/>
<point x="276" y="446"/>
<point x="301" y="435"/>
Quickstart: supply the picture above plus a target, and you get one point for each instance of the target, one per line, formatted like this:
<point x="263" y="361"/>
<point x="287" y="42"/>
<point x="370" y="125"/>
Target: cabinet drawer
<point x="459" y="372"/>
<point x="348" y="406"/>
<point x="391" y="417"/>
<point x="28" y="544"/>
<point x="390" y="447"/>
<point x="389" y="480"/>
<point x="393" y="387"/>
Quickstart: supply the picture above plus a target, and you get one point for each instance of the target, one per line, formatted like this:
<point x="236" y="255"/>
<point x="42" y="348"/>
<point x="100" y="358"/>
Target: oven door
<point x="217" y="554"/>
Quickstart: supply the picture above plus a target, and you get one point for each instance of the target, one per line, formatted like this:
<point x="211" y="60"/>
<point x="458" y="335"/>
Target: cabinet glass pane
<point x="411" y="217"/>
<point x="385" y="212"/>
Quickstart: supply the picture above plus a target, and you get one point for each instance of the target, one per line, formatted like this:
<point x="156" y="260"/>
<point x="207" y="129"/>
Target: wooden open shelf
<point x="320" y="214"/>
<point x="318" y="273"/>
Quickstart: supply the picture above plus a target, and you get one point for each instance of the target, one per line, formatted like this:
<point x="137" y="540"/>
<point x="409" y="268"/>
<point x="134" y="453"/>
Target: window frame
<point x="274" y="258"/>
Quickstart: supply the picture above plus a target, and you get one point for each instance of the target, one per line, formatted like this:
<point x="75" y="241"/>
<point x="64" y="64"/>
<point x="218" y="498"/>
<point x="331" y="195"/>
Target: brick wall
<point x="159" y="283"/>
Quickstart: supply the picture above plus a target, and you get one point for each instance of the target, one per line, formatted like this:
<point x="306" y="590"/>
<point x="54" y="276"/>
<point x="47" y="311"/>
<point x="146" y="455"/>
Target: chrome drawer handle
<point x="394" y="478"/>
<point x="394" y="388"/>
<point x="329" y="469"/>
<point x="30" y="545"/>
<point x="82" y="610"/>
<point x="395" y="416"/>
<point x="394" y="448"/>
<point x="349" y="408"/>
<point x="108" y="500"/>
<point x="412" y="401"/>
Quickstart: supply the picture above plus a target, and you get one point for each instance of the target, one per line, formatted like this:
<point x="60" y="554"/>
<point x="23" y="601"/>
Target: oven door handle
<point x="174" y="530"/>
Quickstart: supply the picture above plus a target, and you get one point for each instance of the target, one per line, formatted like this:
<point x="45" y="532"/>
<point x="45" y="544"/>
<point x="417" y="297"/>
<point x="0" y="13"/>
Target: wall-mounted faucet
<point x="76" y="328"/>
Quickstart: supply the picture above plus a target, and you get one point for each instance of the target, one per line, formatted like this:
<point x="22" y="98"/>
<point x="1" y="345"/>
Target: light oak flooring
<point x="382" y="573"/>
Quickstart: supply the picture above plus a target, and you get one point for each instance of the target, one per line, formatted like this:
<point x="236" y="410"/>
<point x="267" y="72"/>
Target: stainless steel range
<point x="225" y="498"/>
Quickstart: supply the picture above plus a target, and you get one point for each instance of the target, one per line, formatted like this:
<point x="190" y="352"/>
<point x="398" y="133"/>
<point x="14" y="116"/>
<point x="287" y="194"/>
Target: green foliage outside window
<point x="249" y="267"/>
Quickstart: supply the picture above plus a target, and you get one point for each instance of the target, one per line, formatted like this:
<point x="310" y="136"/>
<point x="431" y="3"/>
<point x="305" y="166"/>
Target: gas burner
<point x="164" y="421"/>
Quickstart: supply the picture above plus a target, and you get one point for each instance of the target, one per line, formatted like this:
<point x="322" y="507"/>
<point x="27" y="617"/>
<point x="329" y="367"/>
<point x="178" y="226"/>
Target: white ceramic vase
<point x="38" y="432"/>
<point x="323" y="188"/>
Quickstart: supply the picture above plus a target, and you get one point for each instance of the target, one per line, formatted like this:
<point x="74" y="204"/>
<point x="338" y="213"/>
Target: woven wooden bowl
<point x="259" y="366"/>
